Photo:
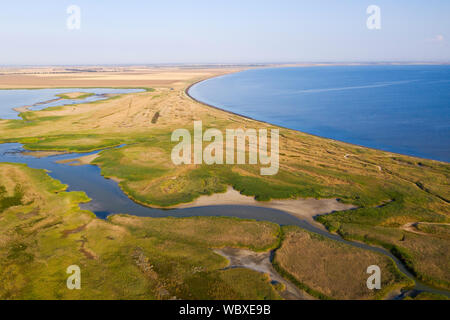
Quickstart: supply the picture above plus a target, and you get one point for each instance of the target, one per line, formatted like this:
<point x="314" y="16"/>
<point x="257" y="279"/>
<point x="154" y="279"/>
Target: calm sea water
<point x="403" y="109"/>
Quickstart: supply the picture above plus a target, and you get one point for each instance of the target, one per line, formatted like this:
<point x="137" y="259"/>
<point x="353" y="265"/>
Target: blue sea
<point x="402" y="109"/>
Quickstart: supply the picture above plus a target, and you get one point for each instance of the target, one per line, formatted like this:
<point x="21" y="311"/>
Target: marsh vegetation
<point x="389" y="191"/>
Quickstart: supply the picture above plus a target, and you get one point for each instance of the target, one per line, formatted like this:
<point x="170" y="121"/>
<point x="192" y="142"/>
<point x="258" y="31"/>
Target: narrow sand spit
<point x="22" y="109"/>
<point x="241" y="258"/>
<point x="42" y="154"/>
<point x="305" y="209"/>
<point x="81" y="160"/>
<point x="86" y="159"/>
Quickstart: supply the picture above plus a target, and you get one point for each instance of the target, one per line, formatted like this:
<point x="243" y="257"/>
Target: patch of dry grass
<point x="333" y="269"/>
<point x="217" y="232"/>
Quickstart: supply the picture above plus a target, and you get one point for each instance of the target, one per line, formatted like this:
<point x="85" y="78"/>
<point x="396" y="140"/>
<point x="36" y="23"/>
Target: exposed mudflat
<point x="260" y="261"/>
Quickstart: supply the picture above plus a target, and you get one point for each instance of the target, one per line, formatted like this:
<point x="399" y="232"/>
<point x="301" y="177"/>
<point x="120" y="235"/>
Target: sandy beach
<point x="305" y="209"/>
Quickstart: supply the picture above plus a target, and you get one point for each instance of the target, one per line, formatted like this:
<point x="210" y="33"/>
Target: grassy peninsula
<point x="402" y="202"/>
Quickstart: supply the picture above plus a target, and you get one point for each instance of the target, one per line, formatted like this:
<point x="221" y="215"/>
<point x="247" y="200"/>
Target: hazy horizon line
<point x="437" y="62"/>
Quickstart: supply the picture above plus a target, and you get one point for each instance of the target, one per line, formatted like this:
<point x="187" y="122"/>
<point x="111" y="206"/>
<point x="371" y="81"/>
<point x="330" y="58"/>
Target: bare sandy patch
<point x="305" y="209"/>
<point x="260" y="261"/>
<point x="80" y="161"/>
<point x="412" y="227"/>
<point x="22" y="109"/>
<point x="86" y="159"/>
<point x="42" y="154"/>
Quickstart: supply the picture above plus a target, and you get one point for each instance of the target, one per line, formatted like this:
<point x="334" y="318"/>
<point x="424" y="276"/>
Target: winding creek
<point x="107" y="198"/>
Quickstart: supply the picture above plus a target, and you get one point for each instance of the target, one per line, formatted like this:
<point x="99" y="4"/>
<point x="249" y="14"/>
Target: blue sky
<point x="211" y="31"/>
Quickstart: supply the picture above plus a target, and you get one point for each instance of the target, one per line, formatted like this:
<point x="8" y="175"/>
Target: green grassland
<point x="121" y="258"/>
<point x="43" y="231"/>
<point x="389" y="190"/>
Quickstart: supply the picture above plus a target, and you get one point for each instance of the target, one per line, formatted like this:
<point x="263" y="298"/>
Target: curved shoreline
<point x="186" y="91"/>
<point x="397" y="260"/>
<point x="288" y="129"/>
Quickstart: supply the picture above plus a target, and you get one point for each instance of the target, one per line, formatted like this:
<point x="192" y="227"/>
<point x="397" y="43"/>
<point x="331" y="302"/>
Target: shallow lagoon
<point x="38" y="99"/>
